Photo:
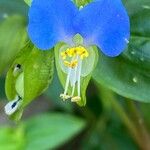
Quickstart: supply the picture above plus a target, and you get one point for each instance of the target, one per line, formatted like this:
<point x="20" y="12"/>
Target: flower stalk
<point x="135" y="126"/>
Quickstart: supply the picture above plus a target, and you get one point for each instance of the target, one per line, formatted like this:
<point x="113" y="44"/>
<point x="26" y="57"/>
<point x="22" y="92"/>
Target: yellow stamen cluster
<point x="74" y="51"/>
<point x="70" y="52"/>
<point x="76" y="99"/>
<point x="71" y="64"/>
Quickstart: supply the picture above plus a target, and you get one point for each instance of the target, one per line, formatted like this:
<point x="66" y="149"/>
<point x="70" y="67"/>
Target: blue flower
<point x="103" y="23"/>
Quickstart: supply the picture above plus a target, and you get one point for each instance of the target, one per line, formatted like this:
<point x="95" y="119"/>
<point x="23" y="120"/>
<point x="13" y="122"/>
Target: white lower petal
<point x="12" y="106"/>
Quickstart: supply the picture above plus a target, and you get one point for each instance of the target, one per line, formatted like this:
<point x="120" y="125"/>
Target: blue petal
<point x="106" y="24"/>
<point x="50" y="21"/>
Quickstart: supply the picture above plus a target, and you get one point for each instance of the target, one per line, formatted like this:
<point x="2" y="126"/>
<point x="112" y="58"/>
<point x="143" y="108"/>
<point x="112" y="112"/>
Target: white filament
<point x="73" y="77"/>
<point x="79" y="76"/>
<point x="67" y="82"/>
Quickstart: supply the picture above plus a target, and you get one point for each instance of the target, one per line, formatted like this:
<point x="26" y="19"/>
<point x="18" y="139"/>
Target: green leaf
<point x="11" y="78"/>
<point x="38" y="73"/>
<point x="10" y="7"/>
<point x="49" y="131"/>
<point x="84" y="80"/>
<point x="11" y="138"/>
<point x="128" y="74"/>
<point x="33" y="77"/>
<point x="109" y="134"/>
<point x="13" y="37"/>
<point x="42" y="132"/>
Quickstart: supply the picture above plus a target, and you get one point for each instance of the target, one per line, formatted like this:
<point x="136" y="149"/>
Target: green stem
<point x="140" y="125"/>
<point x="107" y="95"/>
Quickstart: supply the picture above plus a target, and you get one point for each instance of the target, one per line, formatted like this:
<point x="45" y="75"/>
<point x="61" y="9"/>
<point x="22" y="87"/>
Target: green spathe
<point x="29" y="76"/>
<point x="74" y="80"/>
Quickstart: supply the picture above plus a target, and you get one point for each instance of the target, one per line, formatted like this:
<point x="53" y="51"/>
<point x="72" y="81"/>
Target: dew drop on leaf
<point x="135" y="79"/>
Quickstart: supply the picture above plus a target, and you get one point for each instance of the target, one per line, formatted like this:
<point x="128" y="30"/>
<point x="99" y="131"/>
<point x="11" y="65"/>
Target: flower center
<point x="72" y="59"/>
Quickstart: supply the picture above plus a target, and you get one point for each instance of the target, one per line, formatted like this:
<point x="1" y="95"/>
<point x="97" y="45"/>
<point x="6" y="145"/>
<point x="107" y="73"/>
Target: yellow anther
<point x="70" y="53"/>
<point x="67" y="63"/>
<point x="79" y="50"/>
<point x="73" y="52"/>
<point x="84" y="54"/>
<point x="64" y="55"/>
<point x="71" y="64"/>
<point x="76" y="99"/>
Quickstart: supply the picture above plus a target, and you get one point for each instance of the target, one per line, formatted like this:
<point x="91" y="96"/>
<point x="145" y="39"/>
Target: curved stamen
<point x="74" y="70"/>
<point x="64" y="96"/>
<point x="79" y="76"/>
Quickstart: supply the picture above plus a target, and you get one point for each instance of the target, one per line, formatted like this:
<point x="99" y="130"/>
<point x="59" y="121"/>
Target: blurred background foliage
<point x="117" y="112"/>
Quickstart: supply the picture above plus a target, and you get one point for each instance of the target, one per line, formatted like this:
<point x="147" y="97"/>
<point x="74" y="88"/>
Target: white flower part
<point x="73" y="78"/>
<point x="12" y="106"/>
<point x="67" y="82"/>
<point x="75" y="62"/>
<point x="79" y="76"/>
<point x="87" y="64"/>
<point x="73" y="75"/>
